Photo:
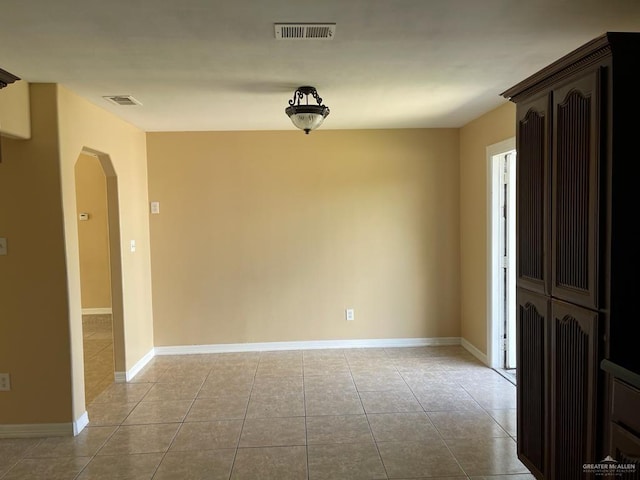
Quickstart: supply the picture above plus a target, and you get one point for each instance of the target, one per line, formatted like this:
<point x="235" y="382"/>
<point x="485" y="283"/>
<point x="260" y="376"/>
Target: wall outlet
<point x="350" y="314"/>
<point x="3" y="246"/>
<point x="5" y="382"/>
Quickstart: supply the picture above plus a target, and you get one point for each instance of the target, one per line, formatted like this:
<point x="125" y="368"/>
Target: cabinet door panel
<point x="574" y="392"/>
<point x="532" y="382"/>
<point x="625" y="405"/>
<point x="575" y="182"/>
<point x="532" y="212"/>
<point x="625" y="448"/>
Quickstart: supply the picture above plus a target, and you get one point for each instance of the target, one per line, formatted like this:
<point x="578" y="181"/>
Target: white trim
<point x="473" y="350"/>
<point x="493" y="358"/>
<point x="80" y="423"/>
<point x="97" y="311"/>
<point x="511" y="269"/>
<point x="31" y="430"/>
<point x="122" y="377"/>
<point x="305" y="345"/>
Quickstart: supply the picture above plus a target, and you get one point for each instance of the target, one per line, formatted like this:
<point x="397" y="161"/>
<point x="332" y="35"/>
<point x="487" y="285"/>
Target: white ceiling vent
<point x="305" y="31"/>
<point x="122" y="100"/>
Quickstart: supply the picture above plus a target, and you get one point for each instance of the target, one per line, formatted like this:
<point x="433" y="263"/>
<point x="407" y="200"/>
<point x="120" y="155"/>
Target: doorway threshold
<point x="508" y="373"/>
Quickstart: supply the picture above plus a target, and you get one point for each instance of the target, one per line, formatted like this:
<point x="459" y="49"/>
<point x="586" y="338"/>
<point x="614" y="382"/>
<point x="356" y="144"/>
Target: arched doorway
<point x="100" y="271"/>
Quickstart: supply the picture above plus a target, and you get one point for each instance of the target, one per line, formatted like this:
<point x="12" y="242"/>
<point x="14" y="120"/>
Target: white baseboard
<point x="306" y="345"/>
<point x="96" y="311"/>
<point x="123" y="377"/>
<point x="80" y="423"/>
<point x="45" y="429"/>
<point x="474" y="351"/>
<point x="37" y="430"/>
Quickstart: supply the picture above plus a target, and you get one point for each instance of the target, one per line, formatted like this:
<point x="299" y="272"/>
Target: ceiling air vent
<point x="122" y="99"/>
<point x="305" y="31"/>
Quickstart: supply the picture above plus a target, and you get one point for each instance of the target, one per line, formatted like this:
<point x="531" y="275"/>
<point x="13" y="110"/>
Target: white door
<point x="501" y="339"/>
<point x="509" y="249"/>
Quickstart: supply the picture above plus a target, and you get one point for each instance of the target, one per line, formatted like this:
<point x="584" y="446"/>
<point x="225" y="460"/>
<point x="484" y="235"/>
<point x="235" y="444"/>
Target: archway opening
<point x="100" y="271"/>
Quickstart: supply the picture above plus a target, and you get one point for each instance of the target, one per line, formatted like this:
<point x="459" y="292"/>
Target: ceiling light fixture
<point x="304" y="116"/>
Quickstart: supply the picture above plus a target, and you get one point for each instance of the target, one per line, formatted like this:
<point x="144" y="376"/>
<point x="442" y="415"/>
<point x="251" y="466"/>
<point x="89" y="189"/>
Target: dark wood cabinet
<point x="574" y="353"/>
<point x="625" y="421"/>
<point x="531" y="375"/>
<point x="575" y="189"/>
<point x="533" y="165"/>
<point x="625" y="448"/>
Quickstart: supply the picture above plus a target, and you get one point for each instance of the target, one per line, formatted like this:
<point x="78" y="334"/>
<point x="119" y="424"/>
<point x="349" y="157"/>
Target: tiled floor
<point x="98" y="354"/>
<point x="399" y="413"/>
<point x="508" y="373"/>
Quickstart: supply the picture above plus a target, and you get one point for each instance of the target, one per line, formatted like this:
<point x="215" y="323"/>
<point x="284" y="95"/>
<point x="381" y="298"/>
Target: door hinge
<point x="505" y="262"/>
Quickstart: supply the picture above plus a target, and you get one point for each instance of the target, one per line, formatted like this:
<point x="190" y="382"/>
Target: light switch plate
<point x="3" y="246"/>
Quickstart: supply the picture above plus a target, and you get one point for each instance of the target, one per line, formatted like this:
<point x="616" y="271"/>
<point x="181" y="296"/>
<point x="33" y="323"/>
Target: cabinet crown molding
<point x="588" y="54"/>
<point x="6" y="78"/>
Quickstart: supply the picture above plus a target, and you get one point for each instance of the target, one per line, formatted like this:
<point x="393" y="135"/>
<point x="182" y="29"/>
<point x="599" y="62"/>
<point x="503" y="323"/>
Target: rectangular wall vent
<point x="305" y="31"/>
<point x="122" y="99"/>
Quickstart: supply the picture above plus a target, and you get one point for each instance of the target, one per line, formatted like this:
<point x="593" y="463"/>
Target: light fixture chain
<point x="297" y="94"/>
<point x="317" y="97"/>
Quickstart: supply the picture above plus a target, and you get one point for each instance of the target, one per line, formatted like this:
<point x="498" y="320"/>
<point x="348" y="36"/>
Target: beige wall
<point x="262" y="236"/>
<point x="83" y="126"/>
<point x="40" y="301"/>
<point x="269" y="236"/>
<point x="34" y="312"/>
<point x="475" y="137"/>
<point x="14" y="110"/>
<point x="93" y="234"/>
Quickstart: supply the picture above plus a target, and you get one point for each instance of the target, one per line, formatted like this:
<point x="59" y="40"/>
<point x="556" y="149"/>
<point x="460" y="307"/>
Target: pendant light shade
<point x="304" y="116"/>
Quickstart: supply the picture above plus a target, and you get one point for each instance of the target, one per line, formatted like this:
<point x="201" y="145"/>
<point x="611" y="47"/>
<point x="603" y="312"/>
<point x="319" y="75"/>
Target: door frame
<point x="495" y="294"/>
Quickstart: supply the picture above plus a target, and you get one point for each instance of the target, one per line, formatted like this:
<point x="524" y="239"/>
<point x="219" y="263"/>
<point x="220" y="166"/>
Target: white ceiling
<point x="216" y="65"/>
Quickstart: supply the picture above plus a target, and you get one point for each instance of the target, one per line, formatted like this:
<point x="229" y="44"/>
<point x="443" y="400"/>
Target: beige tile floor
<point x="98" y="354"/>
<point x="397" y="413"/>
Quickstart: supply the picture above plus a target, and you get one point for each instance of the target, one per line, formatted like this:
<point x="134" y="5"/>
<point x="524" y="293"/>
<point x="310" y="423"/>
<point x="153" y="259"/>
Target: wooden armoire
<point x="578" y="144"/>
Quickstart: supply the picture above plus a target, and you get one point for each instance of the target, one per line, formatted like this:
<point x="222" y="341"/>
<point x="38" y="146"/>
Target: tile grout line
<point x="244" y="418"/>
<point x="366" y="416"/>
<point x="486" y="411"/>
<point x="173" y="438"/>
<point x="444" y="441"/>
<point x="306" y="430"/>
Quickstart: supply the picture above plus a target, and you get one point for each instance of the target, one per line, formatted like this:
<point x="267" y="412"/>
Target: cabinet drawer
<point x="626" y="405"/>
<point x="625" y="448"/>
